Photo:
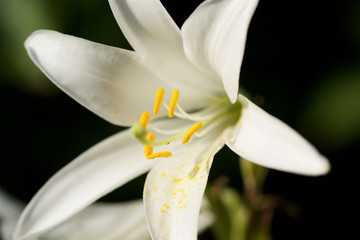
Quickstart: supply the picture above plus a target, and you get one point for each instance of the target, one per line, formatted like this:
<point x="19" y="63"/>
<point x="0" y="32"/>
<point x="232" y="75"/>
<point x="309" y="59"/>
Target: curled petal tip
<point x="265" y="140"/>
<point x="323" y="167"/>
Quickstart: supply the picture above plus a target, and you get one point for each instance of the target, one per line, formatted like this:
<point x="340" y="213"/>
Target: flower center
<point x="204" y="120"/>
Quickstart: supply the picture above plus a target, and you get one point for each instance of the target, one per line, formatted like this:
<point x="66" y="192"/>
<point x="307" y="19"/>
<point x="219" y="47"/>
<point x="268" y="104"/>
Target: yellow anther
<point x="158" y="99"/>
<point x="144" y="120"/>
<point x="159" y="154"/>
<point x="194" y="128"/>
<point x="150" y="137"/>
<point x="173" y="102"/>
<point x="148" y="150"/>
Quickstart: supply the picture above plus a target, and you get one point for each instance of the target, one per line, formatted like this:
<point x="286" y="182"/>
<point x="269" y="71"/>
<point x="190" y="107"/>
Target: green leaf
<point x="231" y="215"/>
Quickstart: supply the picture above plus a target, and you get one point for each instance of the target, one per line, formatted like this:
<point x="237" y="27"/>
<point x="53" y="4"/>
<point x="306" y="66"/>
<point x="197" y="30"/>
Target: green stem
<point x="253" y="180"/>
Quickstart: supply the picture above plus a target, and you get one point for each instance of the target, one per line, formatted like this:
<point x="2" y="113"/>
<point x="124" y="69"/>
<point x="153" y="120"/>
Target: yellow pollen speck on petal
<point x="159" y="96"/>
<point x="144" y="119"/>
<point x="194" y="128"/>
<point x="177" y="179"/>
<point x="174" y="99"/>
<point x="159" y="154"/>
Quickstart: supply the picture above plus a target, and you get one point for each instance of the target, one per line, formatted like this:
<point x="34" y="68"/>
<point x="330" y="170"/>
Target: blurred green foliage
<point x="332" y="118"/>
<point x="18" y="19"/>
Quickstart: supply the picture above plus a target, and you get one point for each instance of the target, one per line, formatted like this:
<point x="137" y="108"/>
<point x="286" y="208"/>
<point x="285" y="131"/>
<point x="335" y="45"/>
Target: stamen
<point x="194" y="128"/>
<point x="148" y="150"/>
<point x="159" y="154"/>
<point x="144" y="119"/>
<point x="158" y="99"/>
<point x="202" y="115"/>
<point x="206" y="118"/>
<point x="166" y="131"/>
<point x="150" y="137"/>
<point x="140" y="133"/>
<point x="173" y="102"/>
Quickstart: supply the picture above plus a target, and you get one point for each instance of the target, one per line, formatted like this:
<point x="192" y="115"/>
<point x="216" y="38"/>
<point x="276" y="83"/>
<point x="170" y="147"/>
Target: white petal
<point x="93" y="174"/>
<point x="106" y="221"/>
<point x="9" y="206"/>
<point x="10" y="210"/>
<point x="265" y="140"/>
<point x="206" y="217"/>
<point x="174" y="190"/>
<point x="147" y="26"/>
<point x="111" y="82"/>
<point x="214" y="38"/>
<point x="150" y="30"/>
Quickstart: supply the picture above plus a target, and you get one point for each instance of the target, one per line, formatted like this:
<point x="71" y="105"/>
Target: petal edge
<point x="214" y="39"/>
<point x="96" y="172"/>
<point x="111" y="82"/>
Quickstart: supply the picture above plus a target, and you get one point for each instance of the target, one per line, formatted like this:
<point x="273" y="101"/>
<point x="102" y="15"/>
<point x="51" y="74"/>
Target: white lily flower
<point x="201" y="62"/>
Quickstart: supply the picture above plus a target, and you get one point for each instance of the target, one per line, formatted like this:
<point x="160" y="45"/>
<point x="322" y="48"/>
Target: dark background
<point x="301" y="64"/>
